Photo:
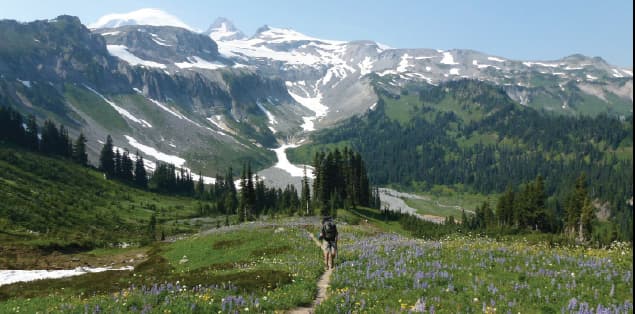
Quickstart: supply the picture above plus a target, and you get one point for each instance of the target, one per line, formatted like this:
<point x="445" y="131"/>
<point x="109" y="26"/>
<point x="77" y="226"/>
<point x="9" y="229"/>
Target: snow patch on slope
<point x="315" y="105"/>
<point x="403" y="63"/>
<point x="151" y="151"/>
<point x="284" y="163"/>
<point x="271" y="117"/>
<point x="198" y="62"/>
<point x="495" y="59"/>
<point x="159" y="41"/>
<point x="448" y="58"/>
<point x="366" y="66"/>
<point x="222" y="32"/>
<point x="122" y="111"/>
<point x="121" y="52"/>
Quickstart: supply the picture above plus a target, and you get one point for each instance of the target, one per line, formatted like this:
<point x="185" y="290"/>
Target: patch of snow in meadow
<point x="13" y="276"/>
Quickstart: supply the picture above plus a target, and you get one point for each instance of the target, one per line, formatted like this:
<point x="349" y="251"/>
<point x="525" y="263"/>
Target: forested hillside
<point x="470" y="133"/>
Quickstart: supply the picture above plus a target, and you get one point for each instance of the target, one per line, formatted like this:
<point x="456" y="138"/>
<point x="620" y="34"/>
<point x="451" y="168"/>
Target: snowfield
<point x="12" y="276"/>
<point x="121" y="52"/>
<point x="198" y="62"/>
<point x="315" y="105"/>
<point x="286" y="165"/>
<point x="151" y="151"/>
<point x="448" y="58"/>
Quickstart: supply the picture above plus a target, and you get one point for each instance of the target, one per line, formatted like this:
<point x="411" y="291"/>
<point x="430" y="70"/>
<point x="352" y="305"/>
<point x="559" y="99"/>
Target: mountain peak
<point x="147" y="16"/>
<point x="262" y="29"/>
<point x="223" y="29"/>
<point x="280" y="35"/>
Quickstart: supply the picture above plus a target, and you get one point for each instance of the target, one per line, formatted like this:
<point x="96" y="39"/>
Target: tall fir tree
<point x="50" y="143"/>
<point x="127" y="167"/>
<point x="575" y="202"/>
<point x="107" y="158"/>
<point x="306" y="195"/>
<point x="200" y="186"/>
<point x="118" y="168"/>
<point x="140" y="175"/>
<point x="31" y="136"/>
<point x="79" y="150"/>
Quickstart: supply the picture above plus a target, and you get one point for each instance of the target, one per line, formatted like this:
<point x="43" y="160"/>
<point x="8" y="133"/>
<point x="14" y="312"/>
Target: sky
<point x="520" y="30"/>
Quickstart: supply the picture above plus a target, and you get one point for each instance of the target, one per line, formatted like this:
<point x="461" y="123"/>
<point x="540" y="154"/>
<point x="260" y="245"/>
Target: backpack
<point x="330" y="231"/>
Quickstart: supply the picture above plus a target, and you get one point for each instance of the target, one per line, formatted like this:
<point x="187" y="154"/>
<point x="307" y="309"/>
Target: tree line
<point x="523" y="210"/>
<point x="431" y="149"/>
<point x="341" y="181"/>
<point x="50" y="139"/>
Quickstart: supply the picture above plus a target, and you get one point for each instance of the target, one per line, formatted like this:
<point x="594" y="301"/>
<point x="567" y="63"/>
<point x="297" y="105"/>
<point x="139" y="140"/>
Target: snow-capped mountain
<point x="337" y="79"/>
<point x="333" y="78"/>
<point x="203" y="96"/>
<point x="224" y="29"/>
<point x="148" y="16"/>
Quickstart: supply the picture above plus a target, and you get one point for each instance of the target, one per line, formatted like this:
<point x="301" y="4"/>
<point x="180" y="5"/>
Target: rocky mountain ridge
<point x="212" y="99"/>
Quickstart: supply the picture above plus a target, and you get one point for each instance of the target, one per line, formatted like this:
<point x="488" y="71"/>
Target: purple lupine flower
<point x="572" y="304"/>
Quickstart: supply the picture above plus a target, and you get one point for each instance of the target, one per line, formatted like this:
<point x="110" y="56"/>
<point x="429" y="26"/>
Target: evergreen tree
<point x="107" y="159"/>
<point x="152" y="227"/>
<point x="306" y="195"/>
<point x="505" y="208"/>
<point x="31" y="136"/>
<point x="140" y="175"/>
<point x="118" y="168"/>
<point x="127" y="167"/>
<point x="230" y="198"/>
<point x="242" y="216"/>
<point x="576" y="202"/>
<point x="79" y="150"/>
<point x="587" y="216"/>
<point x="50" y="143"/>
<point x="65" y="145"/>
<point x="200" y="186"/>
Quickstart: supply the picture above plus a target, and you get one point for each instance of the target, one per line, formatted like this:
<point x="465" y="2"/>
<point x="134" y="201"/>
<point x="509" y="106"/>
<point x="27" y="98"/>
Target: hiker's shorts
<point x="330" y="247"/>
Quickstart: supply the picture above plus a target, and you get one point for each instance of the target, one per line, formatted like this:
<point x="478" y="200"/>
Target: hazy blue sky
<point x="525" y="30"/>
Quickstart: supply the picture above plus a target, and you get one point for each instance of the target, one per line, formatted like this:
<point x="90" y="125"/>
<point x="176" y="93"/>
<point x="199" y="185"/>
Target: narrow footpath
<point x="322" y="284"/>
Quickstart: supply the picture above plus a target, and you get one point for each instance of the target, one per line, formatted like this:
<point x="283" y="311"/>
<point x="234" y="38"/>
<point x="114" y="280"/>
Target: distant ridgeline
<point x="472" y="134"/>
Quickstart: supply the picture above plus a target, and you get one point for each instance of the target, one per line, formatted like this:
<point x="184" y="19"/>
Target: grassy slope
<point x="273" y="265"/>
<point x="274" y="262"/>
<point x="49" y="199"/>
<point x="95" y="107"/>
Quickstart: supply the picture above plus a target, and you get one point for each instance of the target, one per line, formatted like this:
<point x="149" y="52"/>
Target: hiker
<point x="328" y="234"/>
